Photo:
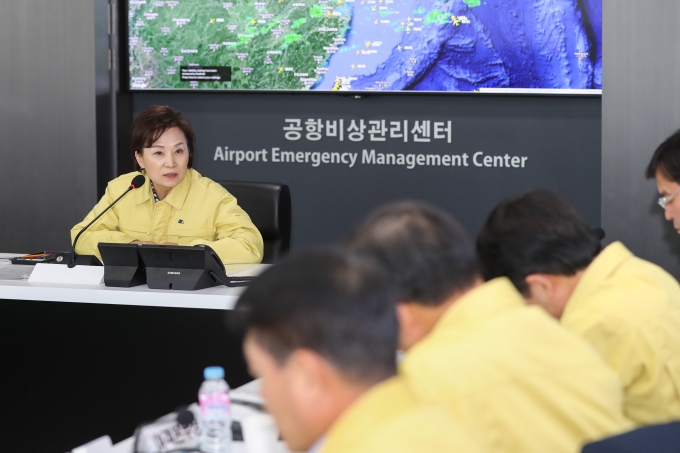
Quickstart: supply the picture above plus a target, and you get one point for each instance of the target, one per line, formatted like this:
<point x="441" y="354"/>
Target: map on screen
<point x="367" y="45"/>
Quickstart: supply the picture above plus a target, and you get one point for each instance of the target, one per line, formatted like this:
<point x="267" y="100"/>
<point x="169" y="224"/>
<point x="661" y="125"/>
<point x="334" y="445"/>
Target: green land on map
<point x="268" y="44"/>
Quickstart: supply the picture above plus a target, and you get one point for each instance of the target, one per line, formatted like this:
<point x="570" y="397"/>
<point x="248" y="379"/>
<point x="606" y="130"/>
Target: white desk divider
<point x="61" y="273"/>
<point x="101" y="445"/>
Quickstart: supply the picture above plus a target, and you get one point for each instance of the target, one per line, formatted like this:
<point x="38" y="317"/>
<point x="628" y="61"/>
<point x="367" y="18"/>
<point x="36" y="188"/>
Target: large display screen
<point x="531" y="46"/>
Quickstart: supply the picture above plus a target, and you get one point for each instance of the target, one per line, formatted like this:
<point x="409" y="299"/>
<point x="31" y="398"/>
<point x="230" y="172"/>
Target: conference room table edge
<point x="214" y="298"/>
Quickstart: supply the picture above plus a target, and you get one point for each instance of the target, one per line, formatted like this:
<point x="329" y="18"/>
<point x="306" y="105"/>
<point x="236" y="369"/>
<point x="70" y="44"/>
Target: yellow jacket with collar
<point x="388" y="419"/>
<point x="196" y="211"/>
<point x="513" y="373"/>
<point x="629" y="310"/>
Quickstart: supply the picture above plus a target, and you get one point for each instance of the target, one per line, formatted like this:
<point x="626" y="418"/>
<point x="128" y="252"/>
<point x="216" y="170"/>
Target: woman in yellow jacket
<point x="178" y="206"/>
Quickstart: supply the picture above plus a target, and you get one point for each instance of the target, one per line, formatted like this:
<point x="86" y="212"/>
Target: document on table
<point x="14" y="271"/>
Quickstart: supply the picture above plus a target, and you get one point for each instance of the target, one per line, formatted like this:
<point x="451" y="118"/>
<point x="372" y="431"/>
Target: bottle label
<point x="215" y="405"/>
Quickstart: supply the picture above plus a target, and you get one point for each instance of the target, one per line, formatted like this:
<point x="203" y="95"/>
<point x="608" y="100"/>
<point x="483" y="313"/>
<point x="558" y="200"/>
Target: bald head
<point x="426" y="251"/>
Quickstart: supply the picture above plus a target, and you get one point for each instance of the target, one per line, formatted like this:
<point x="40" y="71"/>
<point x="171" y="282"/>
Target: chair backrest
<point x="657" y="438"/>
<point x="268" y="205"/>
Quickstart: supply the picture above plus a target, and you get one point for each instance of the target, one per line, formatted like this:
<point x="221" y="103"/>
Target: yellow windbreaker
<point x="196" y="211"/>
<point x="387" y="419"/>
<point x="629" y="310"/>
<point x="513" y="373"/>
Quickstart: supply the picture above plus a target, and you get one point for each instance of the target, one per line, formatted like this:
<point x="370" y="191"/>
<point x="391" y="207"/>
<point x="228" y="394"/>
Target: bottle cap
<point x="213" y="372"/>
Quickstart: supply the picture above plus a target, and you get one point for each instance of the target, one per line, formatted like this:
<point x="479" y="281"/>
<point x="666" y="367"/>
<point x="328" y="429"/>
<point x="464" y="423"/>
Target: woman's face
<point x="167" y="159"/>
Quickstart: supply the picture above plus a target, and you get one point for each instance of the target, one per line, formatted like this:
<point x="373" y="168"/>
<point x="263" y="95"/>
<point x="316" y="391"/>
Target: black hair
<point x="328" y="301"/>
<point x="427" y="252"/>
<point x="151" y="124"/>
<point x="539" y="232"/>
<point x="666" y="159"/>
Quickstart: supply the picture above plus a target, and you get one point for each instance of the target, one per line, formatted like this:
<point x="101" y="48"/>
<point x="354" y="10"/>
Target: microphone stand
<point x="72" y="262"/>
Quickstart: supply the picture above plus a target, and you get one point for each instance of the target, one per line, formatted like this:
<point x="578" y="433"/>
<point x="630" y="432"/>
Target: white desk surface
<point x="14" y="286"/>
<point x="248" y="392"/>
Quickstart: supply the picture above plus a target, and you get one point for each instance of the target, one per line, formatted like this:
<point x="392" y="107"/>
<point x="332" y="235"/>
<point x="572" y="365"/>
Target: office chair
<point x="269" y="207"/>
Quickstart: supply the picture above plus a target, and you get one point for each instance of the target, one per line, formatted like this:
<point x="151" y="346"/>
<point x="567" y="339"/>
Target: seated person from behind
<point x="178" y="206"/>
<point x="502" y="367"/>
<point x="321" y="333"/>
<point x="628" y="309"/>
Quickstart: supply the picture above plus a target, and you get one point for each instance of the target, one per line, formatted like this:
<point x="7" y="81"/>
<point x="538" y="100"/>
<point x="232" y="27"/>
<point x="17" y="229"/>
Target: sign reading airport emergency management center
<point x="377" y="131"/>
<point x="342" y="157"/>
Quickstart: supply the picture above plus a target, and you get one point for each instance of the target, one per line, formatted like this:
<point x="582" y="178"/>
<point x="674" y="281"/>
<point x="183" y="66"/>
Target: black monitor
<point x="123" y="266"/>
<point x="181" y="267"/>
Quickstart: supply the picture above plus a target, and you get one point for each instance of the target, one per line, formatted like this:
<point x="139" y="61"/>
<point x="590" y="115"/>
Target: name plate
<point x="60" y="273"/>
<point x="167" y="435"/>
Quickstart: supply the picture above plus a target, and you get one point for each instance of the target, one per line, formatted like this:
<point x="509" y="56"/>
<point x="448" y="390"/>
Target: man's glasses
<point x="663" y="201"/>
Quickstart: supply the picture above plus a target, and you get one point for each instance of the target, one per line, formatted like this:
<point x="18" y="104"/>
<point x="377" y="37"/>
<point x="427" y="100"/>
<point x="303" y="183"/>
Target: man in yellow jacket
<point x="628" y="309"/>
<point x="503" y="368"/>
<point x="321" y="333"/>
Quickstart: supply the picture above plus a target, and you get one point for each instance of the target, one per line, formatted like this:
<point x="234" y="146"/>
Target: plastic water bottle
<point x="213" y="397"/>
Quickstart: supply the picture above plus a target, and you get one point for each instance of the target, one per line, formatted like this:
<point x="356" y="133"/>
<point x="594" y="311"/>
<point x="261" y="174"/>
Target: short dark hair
<point x="336" y="304"/>
<point x="666" y="159"/>
<point x="539" y="232"/>
<point x="426" y="251"/>
<point x="152" y="123"/>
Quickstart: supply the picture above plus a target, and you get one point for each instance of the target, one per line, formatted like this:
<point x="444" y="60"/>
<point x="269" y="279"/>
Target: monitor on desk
<point x="123" y="266"/>
<point x="181" y="267"/>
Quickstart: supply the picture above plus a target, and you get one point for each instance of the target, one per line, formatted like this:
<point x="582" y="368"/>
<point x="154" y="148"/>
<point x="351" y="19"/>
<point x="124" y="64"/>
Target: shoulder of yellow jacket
<point x="208" y="184"/>
<point x="421" y="427"/>
<point x="637" y="292"/>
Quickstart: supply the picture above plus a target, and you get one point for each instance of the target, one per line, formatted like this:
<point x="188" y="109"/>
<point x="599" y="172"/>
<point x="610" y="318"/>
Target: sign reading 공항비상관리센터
<point x="422" y="132"/>
<point x="342" y="157"/>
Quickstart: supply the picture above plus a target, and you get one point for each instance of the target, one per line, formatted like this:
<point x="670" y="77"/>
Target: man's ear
<point x="541" y="289"/>
<point x="409" y="327"/>
<point x="309" y="375"/>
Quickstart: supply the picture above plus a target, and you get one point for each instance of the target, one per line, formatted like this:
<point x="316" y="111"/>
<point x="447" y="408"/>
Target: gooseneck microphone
<point x="137" y="181"/>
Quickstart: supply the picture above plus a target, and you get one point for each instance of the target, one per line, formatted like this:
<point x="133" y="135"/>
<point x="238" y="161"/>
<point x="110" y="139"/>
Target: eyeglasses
<point x="663" y="201"/>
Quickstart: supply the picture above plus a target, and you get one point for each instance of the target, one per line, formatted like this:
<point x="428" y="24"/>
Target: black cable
<point x="232" y="282"/>
<point x="183" y="450"/>
<point x="251" y="404"/>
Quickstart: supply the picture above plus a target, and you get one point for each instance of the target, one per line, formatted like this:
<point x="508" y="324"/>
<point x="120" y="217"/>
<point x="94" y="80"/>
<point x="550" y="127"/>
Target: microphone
<point x="182" y="416"/>
<point x="137" y="181"/>
<point x="185" y="418"/>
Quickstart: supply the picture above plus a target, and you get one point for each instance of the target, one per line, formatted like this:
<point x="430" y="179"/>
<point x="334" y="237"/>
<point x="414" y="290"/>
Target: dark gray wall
<point x="47" y="121"/>
<point x="106" y="83"/>
<point x="641" y="107"/>
<point x="561" y="137"/>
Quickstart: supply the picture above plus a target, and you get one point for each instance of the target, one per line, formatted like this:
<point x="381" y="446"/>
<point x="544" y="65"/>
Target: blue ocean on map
<point x="468" y="45"/>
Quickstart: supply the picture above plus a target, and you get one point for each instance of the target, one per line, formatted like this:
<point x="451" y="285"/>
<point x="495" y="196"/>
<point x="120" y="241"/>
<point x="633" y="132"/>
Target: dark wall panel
<point x="641" y="107"/>
<point x="560" y="136"/>
<point x="47" y="121"/>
